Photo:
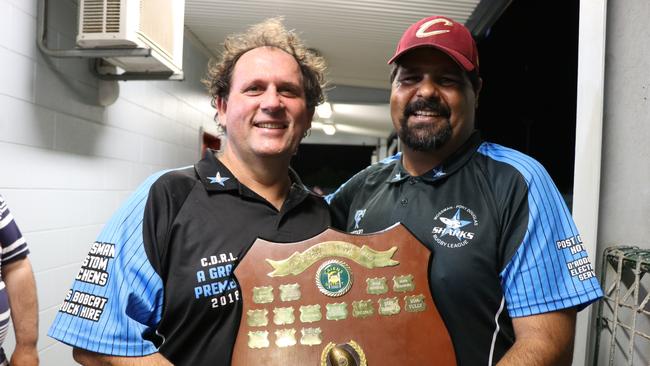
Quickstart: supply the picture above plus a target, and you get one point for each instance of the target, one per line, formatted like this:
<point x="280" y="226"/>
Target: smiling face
<point x="265" y="114"/>
<point x="432" y="101"/>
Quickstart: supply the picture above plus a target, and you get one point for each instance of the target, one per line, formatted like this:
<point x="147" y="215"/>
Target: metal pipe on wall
<point x="589" y="129"/>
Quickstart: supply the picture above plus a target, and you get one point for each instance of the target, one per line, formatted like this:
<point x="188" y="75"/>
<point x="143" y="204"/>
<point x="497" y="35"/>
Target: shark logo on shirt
<point x="453" y="225"/>
<point x="459" y="225"/>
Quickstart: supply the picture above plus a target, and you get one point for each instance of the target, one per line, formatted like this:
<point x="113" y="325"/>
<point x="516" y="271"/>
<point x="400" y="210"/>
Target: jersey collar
<point x="217" y="178"/>
<point x="214" y="175"/>
<point x="447" y="168"/>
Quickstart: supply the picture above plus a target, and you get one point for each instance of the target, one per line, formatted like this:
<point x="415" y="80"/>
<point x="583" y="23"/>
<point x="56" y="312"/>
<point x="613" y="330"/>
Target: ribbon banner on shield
<point x="340" y="299"/>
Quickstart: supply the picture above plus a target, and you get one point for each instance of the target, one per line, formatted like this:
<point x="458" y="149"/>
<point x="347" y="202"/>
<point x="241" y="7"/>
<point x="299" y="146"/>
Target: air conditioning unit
<point x="153" y="24"/>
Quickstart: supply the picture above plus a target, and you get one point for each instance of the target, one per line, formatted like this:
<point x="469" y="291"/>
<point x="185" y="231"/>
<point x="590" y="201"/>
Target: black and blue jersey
<point x="502" y="239"/>
<point x="160" y="275"/>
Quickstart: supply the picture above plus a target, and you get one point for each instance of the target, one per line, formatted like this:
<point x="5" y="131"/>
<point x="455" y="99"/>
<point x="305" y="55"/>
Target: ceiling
<point x="355" y="37"/>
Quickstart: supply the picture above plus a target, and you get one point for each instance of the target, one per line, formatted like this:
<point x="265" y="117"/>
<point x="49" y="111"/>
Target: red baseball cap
<point x="444" y="34"/>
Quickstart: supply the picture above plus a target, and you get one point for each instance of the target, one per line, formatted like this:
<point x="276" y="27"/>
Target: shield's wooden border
<point x="408" y="338"/>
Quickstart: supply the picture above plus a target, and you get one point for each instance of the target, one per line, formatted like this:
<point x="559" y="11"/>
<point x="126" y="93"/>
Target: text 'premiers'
<point x="93" y="268"/>
<point x="83" y="305"/>
<point x="216" y="281"/>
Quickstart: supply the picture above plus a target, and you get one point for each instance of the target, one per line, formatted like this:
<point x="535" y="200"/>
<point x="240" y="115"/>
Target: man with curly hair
<point x="157" y="287"/>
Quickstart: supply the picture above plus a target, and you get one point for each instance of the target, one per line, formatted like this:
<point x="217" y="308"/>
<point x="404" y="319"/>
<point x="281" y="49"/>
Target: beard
<point x="425" y="137"/>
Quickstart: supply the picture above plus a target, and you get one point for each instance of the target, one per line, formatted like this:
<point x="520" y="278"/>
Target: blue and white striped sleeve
<point x="550" y="269"/>
<point x="13" y="243"/>
<point x="116" y="297"/>
<point x="14" y="248"/>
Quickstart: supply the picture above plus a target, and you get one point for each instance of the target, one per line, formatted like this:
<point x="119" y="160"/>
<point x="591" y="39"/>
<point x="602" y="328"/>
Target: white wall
<point x="625" y="172"/>
<point x="67" y="163"/>
<point x="625" y="187"/>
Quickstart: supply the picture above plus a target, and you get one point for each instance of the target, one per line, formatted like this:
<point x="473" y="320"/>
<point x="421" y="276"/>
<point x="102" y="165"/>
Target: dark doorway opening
<point x="529" y="65"/>
<point x="329" y="166"/>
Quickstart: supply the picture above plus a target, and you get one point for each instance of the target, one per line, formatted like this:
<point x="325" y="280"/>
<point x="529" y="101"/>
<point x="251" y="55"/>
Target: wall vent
<point x="112" y="16"/>
<point x="153" y="24"/>
<point x="93" y="16"/>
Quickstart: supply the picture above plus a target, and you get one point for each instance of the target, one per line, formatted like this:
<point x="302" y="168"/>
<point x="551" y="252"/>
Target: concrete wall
<point x="624" y="215"/>
<point x="67" y="163"/>
<point x="625" y="188"/>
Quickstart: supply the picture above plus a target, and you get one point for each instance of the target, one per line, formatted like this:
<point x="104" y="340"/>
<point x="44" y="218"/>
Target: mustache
<point x="428" y="105"/>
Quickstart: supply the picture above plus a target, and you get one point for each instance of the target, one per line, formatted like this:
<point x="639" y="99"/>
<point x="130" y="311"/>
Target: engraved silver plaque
<point x="310" y="313"/>
<point x="290" y="292"/>
<point x="258" y="339"/>
<point x="263" y="295"/>
<point x="389" y="306"/>
<point x="403" y="283"/>
<point x="285" y="337"/>
<point x="362" y="308"/>
<point x="282" y="316"/>
<point x="415" y="303"/>
<point x="257" y="318"/>
<point x="336" y="311"/>
<point x="376" y="286"/>
<point x="311" y="336"/>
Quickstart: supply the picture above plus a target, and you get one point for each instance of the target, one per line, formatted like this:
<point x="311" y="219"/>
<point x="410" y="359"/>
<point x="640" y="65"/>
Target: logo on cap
<point x="422" y="31"/>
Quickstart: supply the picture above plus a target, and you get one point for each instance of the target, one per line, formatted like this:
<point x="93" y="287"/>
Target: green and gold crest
<point x="334" y="278"/>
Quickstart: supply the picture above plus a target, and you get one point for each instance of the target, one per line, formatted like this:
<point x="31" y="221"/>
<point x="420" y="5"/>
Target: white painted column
<point x="589" y="126"/>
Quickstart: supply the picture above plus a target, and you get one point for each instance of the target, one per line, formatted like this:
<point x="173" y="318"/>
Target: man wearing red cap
<point x="509" y="270"/>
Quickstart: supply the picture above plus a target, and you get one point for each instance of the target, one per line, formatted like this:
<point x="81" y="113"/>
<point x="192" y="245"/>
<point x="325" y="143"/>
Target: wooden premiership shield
<point x="340" y="299"/>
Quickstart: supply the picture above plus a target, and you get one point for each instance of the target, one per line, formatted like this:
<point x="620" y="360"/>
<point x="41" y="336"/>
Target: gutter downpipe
<point x="587" y="170"/>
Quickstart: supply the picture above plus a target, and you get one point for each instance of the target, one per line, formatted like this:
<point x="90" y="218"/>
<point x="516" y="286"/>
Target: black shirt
<point x="502" y="239"/>
<point x="170" y="285"/>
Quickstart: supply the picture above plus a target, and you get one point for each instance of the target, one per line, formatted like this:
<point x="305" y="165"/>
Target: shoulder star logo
<point x="218" y="179"/>
<point x="453" y="224"/>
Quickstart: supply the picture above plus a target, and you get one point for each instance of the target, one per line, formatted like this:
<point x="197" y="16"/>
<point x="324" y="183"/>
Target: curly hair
<point x="269" y="33"/>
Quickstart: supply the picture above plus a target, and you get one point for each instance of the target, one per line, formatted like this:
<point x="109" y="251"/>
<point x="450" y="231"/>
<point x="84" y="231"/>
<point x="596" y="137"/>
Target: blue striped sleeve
<point x="550" y="269"/>
<point x="4" y="318"/>
<point x="117" y="296"/>
<point x="12" y="242"/>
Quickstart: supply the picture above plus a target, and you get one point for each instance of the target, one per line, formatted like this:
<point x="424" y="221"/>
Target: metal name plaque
<point x="340" y="299"/>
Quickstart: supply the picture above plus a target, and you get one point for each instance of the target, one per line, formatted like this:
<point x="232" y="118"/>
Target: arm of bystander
<point x="21" y="290"/>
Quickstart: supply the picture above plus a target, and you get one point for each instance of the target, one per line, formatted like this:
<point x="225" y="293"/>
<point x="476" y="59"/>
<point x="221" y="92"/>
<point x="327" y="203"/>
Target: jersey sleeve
<point x="548" y="268"/>
<point x="13" y="243"/>
<point x="115" y="302"/>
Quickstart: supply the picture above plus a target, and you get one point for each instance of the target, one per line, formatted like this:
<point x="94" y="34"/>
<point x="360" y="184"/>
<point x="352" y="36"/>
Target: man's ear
<point x="222" y="107"/>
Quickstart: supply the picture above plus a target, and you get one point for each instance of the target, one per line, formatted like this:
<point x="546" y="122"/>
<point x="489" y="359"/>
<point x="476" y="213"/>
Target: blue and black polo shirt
<point x="160" y="275"/>
<point x="502" y="239"/>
